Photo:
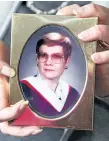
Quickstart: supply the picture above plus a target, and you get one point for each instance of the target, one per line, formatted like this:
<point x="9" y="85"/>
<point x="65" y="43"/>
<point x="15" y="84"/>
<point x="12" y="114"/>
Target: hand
<point x="99" y="33"/>
<point x="8" y="112"/>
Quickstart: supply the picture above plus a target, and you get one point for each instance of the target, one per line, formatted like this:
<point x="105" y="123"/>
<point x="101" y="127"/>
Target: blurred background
<point x="101" y="109"/>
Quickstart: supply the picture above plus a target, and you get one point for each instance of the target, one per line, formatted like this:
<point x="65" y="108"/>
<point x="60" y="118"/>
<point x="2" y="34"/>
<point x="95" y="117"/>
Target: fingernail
<point x="36" y="131"/>
<point x="8" y="71"/>
<point x="59" y="13"/>
<point x="75" y="12"/>
<point x="23" y="104"/>
<point x="96" y="58"/>
<point x="83" y="35"/>
<point x="76" y="9"/>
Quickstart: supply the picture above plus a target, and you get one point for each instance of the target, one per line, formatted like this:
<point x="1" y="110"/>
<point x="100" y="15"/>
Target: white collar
<point x="62" y="91"/>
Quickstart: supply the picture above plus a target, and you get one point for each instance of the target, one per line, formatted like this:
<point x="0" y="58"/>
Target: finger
<point x="6" y="70"/>
<point x="37" y="131"/>
<point x="66" y="11"/>
<point x="19" y="130"/>
<point x="4" y="59"/>
<point x="13" y="112"/>
<point x="101" y="57"/>
<point x="89" y="10"/>
<point x="4" y="93"/>
<point x="98" y="32"/>
<point x="4" y="52"/>
<point x="92" y="10"/>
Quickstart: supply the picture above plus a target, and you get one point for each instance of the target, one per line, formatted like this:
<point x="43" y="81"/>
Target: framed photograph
<point x="54" y="71"/>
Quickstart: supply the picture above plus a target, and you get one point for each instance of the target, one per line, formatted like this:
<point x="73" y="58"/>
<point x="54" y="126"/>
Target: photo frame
<point x="54" y="71"/>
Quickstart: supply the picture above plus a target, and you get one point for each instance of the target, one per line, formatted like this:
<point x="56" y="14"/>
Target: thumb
<point x="13" y="112"/>
<point x="6" y="70"/>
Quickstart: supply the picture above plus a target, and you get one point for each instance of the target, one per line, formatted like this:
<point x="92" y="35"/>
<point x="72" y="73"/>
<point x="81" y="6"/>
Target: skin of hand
<point x="8" y="112"/>
<point x="99" y="32"/>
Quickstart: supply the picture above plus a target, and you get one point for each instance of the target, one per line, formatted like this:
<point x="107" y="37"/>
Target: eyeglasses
<point x="55" y="57"/>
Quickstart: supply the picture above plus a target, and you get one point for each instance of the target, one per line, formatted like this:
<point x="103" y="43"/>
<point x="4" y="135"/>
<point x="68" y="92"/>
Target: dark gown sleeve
<point x="74" y="92"/>
<point x="72" y="99"/>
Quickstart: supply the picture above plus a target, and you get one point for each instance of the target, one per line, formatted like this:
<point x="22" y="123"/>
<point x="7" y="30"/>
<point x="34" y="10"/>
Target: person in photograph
<point x="46" y="91"/>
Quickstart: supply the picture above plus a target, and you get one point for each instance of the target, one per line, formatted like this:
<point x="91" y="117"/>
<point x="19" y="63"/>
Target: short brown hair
<point x="64" y="42"/>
